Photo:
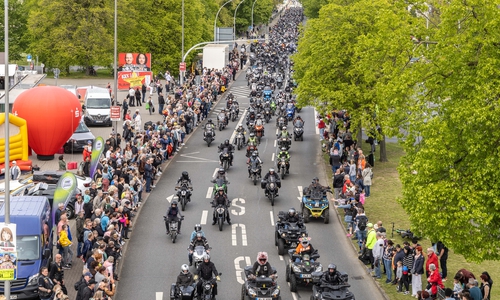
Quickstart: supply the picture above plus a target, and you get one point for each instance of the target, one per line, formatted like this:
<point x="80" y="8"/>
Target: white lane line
<point x="239" y="122"/>
<point x="204" y="216"/>
<point x="294" y="295"/>
<point x="159" y="296"/>
<point x="209" y="192"/>
<point x="277" y="130"/>
<point x="275" y="143"/>
<point x="215" y="172"/>
<point x="272" y="159"/>
<point x="315" y="118"/>
<point x="300" y="193"/>
<point x="272" y="218"/>
<point x="281" y="257"/>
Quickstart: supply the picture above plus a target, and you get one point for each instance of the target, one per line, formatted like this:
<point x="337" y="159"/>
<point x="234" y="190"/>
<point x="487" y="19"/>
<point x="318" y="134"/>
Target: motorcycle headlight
<point x="271" y="185"/>
<point x="33" y="279"/>
<point x="276" y="293"/>
<point x="319" y="268"/>
<point x="183" y="193"/>
<point x="296" y="269"/>
<point x="208" y="286"/>
<point x="283" y="234"/>
<point x="252" y="293"/>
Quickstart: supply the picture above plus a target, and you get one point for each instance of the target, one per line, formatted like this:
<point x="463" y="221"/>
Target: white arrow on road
<point x="194" y="158"/>
<point x="169" y="198"/>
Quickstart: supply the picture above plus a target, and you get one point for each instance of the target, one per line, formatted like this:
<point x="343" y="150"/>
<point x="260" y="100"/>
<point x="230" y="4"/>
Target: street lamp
<point x="182" y="43"/>
<point x="253" y="5"/>
<point x="234" y="19"/>
<point x="216" y="16"/>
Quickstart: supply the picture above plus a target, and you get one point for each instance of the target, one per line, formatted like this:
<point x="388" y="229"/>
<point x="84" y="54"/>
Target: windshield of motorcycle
<point x="219" y="182"/>
<point x="299" y="124"/>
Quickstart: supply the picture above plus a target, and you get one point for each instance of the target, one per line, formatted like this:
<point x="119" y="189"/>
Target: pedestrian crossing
<point x="240" y="93"/>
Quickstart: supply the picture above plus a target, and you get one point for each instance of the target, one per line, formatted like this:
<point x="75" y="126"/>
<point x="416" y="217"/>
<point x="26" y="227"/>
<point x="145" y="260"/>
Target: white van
<point x="97" y="107"/>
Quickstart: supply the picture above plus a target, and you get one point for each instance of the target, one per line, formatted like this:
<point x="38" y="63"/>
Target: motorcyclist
<point x="230" y="150"/>
<point x="241" y="130"/>
<point x="200" y="240"/>
<point x="316" y="185"/>
<point x="222" y="116"/>
<point x="261" y="267"/>
<point x="303" y="248"/>
<point x="254" y="159"/>
<point x="252" y="140"/>
<point x="205" y="271"/>
<point x="173" y="212"/>
<point x="297" y="120"/>
<point x="259" y="122"/>
<point x="185" y="178"/>
<point x="185" y="278"/>
<point x="221" y="199"/>
<point x="284" y="154"/>
<point x="221" y="174"/>
<point x="197" y="228"/>
<point x="283" y="133"/>
<point x="269" y="174"/>
<point x="209" y="127"/>
<point x="250" y="116"/>
<point x="331" y="276"/>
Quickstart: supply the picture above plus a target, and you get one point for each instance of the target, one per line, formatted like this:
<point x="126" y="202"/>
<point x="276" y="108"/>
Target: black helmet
<point x="315" y="179"/>
<point x="221" y="171"/>
<point x="185" y="174"/>
<point x="197" y="227"/>
<point x="226" y="142"/>
<point x="209" y="120"/>
<point x="291" y="211"/>
<point x="173" y="203"/>
<point x="332" y="267"/>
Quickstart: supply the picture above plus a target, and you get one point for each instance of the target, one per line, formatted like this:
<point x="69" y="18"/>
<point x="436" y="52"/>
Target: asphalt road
<point x="153" y="262"/>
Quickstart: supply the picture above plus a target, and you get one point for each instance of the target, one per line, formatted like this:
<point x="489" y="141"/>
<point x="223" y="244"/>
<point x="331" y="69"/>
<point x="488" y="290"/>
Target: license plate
<point x="305" y="276"/>
<point x="263" y="298"/>
<point x="13" y="296"/>
<point x="98" y="121"/>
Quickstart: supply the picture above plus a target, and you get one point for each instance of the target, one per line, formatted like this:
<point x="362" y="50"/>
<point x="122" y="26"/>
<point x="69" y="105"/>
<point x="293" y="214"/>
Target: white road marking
<point x="169" y="198"/>
<point x="277" y="130"/>
<point x="294" y="295"/>
<point x="204" y="216"/>
<point x="281" y="257"/>
<point x="239" y="271"/>
<point x="159" y="296"/>
<point x="243" y="234"/>
<point x="233" y="202"/>
<point x="315" y="118"/>
<point x="272" y="218"/>
<point x="209" y="192"/>
<point x="195" y="159"/>
<point x="215" y="172"/>
<point x="275" y="141"/>
<point x="301" y="190"/>
<point x="272" y="159"/>
<point x="240" y="121"/>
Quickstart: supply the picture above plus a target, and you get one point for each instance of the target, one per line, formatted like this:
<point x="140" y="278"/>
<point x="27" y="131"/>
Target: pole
<point x="6" y="289"/>
<point x="115" y="69"/>
<point x="216" y="16"/>
<point x="253" y="5"/>
<point x="182" y="43"/>
<point x="234" y="19"/>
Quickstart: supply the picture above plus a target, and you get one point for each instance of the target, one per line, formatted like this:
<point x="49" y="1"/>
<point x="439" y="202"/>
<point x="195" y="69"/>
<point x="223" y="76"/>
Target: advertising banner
<point x="115" y="113"/>
<point x="7" y="237"/>
<point x="97" y="149"/>
<point x="134" y="61"/>
<point x="8" y="265"/>
<point x="64" y="191"/>
<point x="133" y="79"/>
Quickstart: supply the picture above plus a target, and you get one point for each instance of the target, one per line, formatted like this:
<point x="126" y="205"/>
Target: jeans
<point x="335" y="168"/>
<point x="388" y="269"/>
<point x="160" y="108"/>
<point x="148" y="184"/>
<point x="321" y="133"/>
<point x="79" y="248"/>
<point x="361" y="234"/>
<point x="297" y="260"/>
<point x="367" y="190"/>
<point x="378" y="264"/>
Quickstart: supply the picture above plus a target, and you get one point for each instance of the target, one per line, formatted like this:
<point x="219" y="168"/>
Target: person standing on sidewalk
<point x="371" y="240"/>
<point x="66" y="245"/>
<point x="80" y="228"/>
<point x="45" y="285"/>
<point x="57" y="272"/>
<point x="387" y="257"/>
<point x="378" y="252"/>
<point x="161" y="103"/>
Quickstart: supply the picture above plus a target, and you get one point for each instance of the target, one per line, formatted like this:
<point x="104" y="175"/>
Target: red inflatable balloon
<point x="52" y="114"/>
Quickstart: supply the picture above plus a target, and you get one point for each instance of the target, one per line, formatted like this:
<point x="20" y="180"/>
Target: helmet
<point x="199" y="235"/>
<point x="262" y="258"/>
<point x="185" y="174"/>
<point x="209" y="120"/>
<point x="306" y="257"/>
<point x="316" y="179"/>
<point x="284" y="128"/>
<point x="271" y="170"/>
<point x="252" y="134"/>
<point x="206" y="257"/>
<point x="226" y="142"/>
<point x="184" y="268"/>
<point x="173" y="203"/>
<point x="223" y="110"/>
<point x="291" y="211"/>
<point x="332" y="267"/>
<point x="304" y="241"/>
<point x="298" y="117"/>
<point x="221" y="189"/>
<point x="221" y="171"/>
<point x="259" y="116"/>
<point x="283" y="148"/>
<point x="197" y="227"/>
<point x="240" y="125"/>
<point x="254" y="154"/>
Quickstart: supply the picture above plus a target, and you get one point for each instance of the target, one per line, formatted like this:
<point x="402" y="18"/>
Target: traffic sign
<point x="28" y="57"/>
<point x="182" y="67"/>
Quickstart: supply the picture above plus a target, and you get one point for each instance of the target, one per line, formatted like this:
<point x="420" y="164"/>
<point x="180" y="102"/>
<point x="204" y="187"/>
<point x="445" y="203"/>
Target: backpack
<point x="362" y="222"/>
<point x="79" y="283"/>
<point x="405" y="270"/>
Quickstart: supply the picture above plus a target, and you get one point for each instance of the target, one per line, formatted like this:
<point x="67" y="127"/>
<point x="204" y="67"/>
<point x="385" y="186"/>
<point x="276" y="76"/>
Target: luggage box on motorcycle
<point x="316" y="276"/>
<point x="263" y="184"/>
<point x="344" y="276"/>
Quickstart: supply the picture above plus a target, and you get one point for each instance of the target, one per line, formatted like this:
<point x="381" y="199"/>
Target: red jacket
<point x="321" y="124"/>
<point x="435" y="281"/>
<point x="432" y="259"/>
<point x="86" y="154"/>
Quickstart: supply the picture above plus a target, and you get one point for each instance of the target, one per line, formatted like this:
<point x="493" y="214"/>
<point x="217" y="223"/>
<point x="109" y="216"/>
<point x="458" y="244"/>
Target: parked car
<point x="79" y="139"/>
<point x="48" y="190"/>
<point x="52" y="177"/>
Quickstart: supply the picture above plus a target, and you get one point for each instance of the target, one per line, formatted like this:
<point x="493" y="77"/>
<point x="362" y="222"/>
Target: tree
<point x="448" y="114"/>
<point x="18" y="44"/>
<point x="312" y="7"/>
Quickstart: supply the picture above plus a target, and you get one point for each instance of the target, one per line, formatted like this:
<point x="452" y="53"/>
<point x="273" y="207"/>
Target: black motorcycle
<point x="220" y="214"/>
<point x="173" y="227"/>
<point x="182" y="292"/>
<point x="255" y="171"/>
<point x="281" y="122"/>
<point x="301" y="272"/>
<point x="323" y="291"/>
<point x="282" y="167"/>
<point x="207" y="287"/>
<point x="183" y="193"/>
<point x="261" y="288"/>
<point x="284" y="142"/>
<point x="225" y="158"/>
<point x="271" y="187"/>
<point x="267" y="114"/>
<point x="239" y="140"/>
<point x="209" y="136"/>
<point x="287" y="234"/>
<point x="298" y="132"/>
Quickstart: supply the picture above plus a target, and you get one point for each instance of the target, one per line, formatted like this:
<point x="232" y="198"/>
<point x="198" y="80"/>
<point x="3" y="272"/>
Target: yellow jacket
<point x="63" y="239"/>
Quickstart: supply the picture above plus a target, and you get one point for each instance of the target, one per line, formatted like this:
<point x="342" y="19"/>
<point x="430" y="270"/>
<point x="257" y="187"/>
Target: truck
<point x="215" y="56"/>
<point x="33" y="218"/>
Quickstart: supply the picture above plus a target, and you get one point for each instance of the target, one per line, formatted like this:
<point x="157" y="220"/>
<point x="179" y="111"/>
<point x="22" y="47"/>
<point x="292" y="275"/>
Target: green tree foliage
<point x="312" y="7"/>
<point x="447" y="109"/>
<point x="65" y="33"/>
<point x="17" y="27"/>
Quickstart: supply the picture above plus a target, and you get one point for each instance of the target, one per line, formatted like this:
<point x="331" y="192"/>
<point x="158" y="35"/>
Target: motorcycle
<point x="259" y="130"/>
<point x="221" y="121"/>
<point x="219" y="182"/>
<point x="183" y="193"/>
<point x="282" y="167"/>
<point x="220" y="214"/>
<point x="298" y="131"/>
<point x="261" y="288"/>
<point x="267" y="114"/>
<point x="323" y="291"/>
<point x="198" y="253"/>
<point x="315" y="204"/>
<point x="255" y="170"/>
<point x="239" y="140"/>
<point x="234" y="113"/>
<point x="290" y="112"/>
<point x="182" y="292"/>
<point x="209" y="136"/>
<point x="250" y="149"/>
<point x="284" y="142"/>
<point x="279" y="84"/>
<point x="206" y="288"/>
<point x="268" y="92"/>
<point x="301" y="272"/>
<point x="225" y="159"/>
<point x="172" y="227"/>
<point x="271" y="187"/>
<point x="281" y="122"/>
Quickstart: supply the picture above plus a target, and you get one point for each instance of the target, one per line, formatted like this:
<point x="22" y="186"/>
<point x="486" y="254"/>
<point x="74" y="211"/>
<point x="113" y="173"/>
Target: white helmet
<point x="184" y="268"/>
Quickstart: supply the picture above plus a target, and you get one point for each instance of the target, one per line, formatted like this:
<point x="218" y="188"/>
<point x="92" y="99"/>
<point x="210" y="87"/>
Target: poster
<point x="97" y="149"/>
<point x="65" y="189"/>
<point x="133" y="79"/>
<point x="134" y="61"/>
<point x="7" y="237"/>
<point x="8" y="265"/>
